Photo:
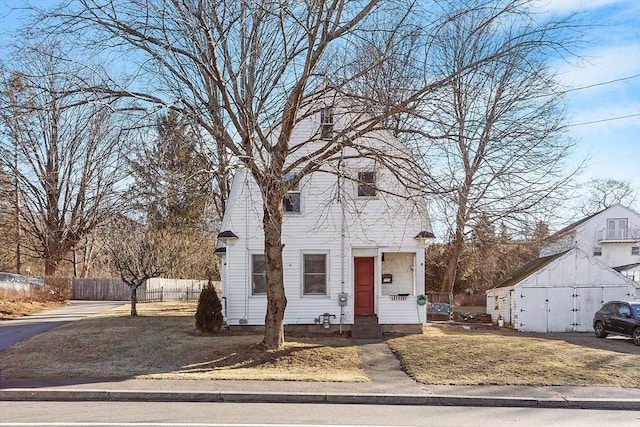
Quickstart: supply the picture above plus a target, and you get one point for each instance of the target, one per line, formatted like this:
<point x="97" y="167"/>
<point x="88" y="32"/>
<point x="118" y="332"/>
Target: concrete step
<point x="366" y="327"/>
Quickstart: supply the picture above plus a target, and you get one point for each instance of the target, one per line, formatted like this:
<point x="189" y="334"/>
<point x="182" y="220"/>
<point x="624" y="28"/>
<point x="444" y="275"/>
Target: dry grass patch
<point x="14" y="305"/>
<point x="162" y="343"/>
<point x="444" y="356"/>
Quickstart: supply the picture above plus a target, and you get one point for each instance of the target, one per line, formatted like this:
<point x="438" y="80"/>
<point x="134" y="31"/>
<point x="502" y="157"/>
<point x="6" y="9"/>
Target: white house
<point x="592" y="261"/>
<point x="354" y="243"/>
<point x="611" y="235"/>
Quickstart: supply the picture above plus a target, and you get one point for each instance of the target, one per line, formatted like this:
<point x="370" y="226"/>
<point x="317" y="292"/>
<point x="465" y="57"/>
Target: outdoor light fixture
<point x="427" y="237"/>
<point x="227" y="236"/>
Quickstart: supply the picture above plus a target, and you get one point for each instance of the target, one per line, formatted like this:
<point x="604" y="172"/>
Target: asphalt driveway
<point x="613" y="342"/>
<point x="13" y="331"/>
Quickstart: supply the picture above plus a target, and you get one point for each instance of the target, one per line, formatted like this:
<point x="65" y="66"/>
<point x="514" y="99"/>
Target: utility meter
<point x="342" y="298"/>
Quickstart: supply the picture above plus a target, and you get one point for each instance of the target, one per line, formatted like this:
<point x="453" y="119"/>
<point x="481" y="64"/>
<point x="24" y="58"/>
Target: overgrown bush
<point x="59" y="288"/>
<point x="209" y="311"/>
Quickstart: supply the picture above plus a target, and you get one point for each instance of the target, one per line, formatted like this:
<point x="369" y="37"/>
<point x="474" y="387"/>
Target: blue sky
<point x="612" y="54"/>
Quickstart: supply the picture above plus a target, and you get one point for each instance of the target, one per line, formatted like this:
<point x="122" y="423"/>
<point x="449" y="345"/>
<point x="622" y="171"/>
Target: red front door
<point x="363" y="272"/>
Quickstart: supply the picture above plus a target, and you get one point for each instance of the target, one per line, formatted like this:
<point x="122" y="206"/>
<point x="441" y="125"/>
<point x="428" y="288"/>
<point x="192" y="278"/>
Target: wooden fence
<point x="100" y="290"/>
<point x="156" y="289"/>
<point x="160" y="295"/>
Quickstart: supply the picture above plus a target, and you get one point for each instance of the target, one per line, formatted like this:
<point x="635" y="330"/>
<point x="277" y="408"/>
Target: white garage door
<point x="546" y="310"/>
<point x="533" y="310"/>
<point x="561" y="310"/>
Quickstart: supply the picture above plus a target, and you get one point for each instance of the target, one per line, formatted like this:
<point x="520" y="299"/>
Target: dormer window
<point x="326" y="123"/>
<point x="291" y="201"/>
<point x="366" y="184"/>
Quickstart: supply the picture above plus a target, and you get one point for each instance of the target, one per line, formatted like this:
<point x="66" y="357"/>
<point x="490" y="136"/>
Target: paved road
<point x="277" y="414"/>
<point x="13" y="331"/>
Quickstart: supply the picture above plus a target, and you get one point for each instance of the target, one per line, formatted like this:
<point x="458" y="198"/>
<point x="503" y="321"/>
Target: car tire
<point x="635" y="335"/>
<point x="598" y="328"/>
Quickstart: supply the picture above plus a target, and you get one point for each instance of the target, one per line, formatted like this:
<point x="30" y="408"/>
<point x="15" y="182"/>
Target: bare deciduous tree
<point x="496" y="130"/>
<point x="249" y="72"/>
<point x="603" y="193"/>
<point x="139" y="252"/>
<point x="67" y="151"/>
<point x="246" y="72"/>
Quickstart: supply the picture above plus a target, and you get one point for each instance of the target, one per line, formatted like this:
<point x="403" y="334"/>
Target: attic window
<point x="635" y="250"/>
<point x="366" y="184"/>
<point x="291" y="201"/>
<point x="597" y="251"/>
<point x="326" y="123"/>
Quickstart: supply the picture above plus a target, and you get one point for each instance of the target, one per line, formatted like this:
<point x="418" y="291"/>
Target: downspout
<point x="247" y="263"/>
<point x="342" y="236"/>
<point x="225" y="284"/>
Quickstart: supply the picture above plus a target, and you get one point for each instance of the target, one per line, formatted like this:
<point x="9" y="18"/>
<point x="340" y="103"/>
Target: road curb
<point x="326" y="398"/>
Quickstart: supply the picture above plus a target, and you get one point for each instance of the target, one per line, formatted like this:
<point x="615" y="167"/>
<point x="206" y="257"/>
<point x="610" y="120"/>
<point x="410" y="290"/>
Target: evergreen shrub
<point x="209" y="312"/>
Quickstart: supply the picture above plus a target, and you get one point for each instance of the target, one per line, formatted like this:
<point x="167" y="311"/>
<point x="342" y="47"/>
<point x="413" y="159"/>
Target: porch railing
<point x="619" y="235"/>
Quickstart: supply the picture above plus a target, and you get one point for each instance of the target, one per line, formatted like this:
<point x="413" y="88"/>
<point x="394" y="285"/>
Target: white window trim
<point x="250" y="267"/>
<point x="295" y="191"/>
<point x="375" y="183"/>
<point x="299" y="211"/>
<point x="327" y="267"/>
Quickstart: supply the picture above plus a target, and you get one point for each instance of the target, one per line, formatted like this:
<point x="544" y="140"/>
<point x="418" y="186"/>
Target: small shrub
<point x="209" y="311"/>
<point x="59" y="288"/>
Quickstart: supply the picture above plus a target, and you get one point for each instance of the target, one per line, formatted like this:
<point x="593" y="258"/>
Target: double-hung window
<point x="291" y="201"/>
<point x="314" y="274"/>
<point x="258" y="277"/>
<point x="366" y="184"/>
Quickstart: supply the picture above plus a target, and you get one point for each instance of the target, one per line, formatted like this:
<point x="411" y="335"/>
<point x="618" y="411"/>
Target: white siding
<point x="383" y="224"/>
<point x="500" y="304"/>
<point x="564" y="295"/>
<point x="400" y="312"/>
<point x="586" y="236"/>
<point x="400" y="267"/>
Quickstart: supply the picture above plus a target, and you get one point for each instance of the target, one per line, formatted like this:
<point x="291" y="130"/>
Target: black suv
<point x="619" y="318"/>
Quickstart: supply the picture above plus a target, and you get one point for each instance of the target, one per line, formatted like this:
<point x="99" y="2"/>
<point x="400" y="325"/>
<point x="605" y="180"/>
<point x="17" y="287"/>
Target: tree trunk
<point x="134" y="300"/>
<point x="16" y="208"/>
<point x="276" y="299"/>
<point x="449" y="279"/>
<point x="50" y="266"/>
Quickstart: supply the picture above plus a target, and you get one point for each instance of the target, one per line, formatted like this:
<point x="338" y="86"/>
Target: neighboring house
<point x="592" y="261"/>
<point x="354" y="243"/>
<point x="611" y="235"/>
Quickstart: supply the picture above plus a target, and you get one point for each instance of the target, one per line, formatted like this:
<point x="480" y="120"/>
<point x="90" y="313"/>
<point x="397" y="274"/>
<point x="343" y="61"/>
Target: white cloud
<point x="600" y="65"/>
<point x="567" y="6"/>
